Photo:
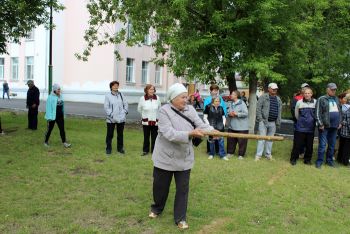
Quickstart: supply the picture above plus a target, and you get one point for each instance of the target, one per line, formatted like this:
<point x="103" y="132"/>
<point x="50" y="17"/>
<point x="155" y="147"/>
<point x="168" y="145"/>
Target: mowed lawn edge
<point x="80" y="190"/>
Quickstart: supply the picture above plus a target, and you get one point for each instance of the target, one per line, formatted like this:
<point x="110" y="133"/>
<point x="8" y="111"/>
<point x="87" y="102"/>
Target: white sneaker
<point x="229" y="155"/>
<point x="257" y="158"/>
<point x="46" y="144"/>
<point x="225" y="158"/>
<point x="2" y="133"/>
<point x="210" y="157"/>
<point x="240" y="157"/>
<point x="66" y="145"/>
<point x="269" y="157"/>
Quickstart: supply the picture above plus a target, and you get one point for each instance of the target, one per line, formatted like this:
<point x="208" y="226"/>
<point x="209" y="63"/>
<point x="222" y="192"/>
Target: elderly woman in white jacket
<point x="173" y="153"/>
<point x="148" y="107"/>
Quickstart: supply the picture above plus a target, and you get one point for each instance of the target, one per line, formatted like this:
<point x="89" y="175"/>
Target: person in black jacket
<point x="33" y="102"/>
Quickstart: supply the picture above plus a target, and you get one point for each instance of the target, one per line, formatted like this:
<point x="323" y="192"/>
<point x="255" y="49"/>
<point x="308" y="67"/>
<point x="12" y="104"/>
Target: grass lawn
<point x="80" y="190"/>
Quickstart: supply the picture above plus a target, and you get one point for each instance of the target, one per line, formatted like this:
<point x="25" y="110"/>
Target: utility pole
<point x="50" y="51"/>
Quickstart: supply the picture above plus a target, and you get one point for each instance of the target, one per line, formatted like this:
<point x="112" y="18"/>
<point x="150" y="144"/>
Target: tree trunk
<point x="231" y="81"/>
<point x="253" y="83"/>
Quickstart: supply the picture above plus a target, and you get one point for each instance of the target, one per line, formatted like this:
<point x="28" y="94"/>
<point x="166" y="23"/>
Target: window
<point x="158" y="77"/>
<point x="129" y="70"/>
<point x="2" y="63"/>
<point x="129" y="30"/>
<point x="30" y="36"/>
<point x="147" y="40"/>
<point x="144" y="78"/>
<point x="29" y="69"/>
<point x="14" y="68"/>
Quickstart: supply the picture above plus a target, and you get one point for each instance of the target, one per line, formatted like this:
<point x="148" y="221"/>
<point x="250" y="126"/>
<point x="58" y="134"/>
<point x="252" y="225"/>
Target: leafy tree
<point x="19" y="17"/>
<point x="263" y="40"/>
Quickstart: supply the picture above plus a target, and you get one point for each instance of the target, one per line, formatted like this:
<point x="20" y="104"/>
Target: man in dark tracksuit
<point x="33" y="102"/>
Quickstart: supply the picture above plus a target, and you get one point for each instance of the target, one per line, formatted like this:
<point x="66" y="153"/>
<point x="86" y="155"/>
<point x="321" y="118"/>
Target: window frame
<point x="158" y="75"/>
<point x="144" y="72"/>
<point x="26" y="68"/>
<point x="130" y="71"/>
<point x="2" y="69"/>
<point x="12" y="70"/>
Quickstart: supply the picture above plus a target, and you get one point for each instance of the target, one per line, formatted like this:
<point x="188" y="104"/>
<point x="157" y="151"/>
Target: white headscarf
<point x="175" y="90"/>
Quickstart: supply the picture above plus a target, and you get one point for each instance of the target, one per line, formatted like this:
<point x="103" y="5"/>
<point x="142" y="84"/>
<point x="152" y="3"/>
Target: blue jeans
<point x="326" y="136"/>
<point x="221" y="147"/>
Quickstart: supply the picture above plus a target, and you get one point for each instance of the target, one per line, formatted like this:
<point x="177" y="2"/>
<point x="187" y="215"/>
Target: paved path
<point x="93" y="110"/>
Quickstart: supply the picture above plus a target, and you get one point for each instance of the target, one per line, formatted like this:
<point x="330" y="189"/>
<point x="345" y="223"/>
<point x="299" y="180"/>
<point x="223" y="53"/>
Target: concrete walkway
<point x="93" y="110"/>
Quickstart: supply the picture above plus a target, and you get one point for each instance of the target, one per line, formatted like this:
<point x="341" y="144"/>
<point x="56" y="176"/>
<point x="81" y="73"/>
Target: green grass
<point x="80" y="190"/>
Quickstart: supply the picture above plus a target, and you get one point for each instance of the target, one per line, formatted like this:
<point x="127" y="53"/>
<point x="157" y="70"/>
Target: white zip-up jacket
<point x="116" y="107"/>
<point x="148" y="107"/>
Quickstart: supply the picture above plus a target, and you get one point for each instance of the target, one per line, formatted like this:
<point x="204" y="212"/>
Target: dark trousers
<point x="7" y="93"/>
<point x="110" y="134"/>
<point x="33" y="118"/>
<point x="302" y="140"/>
<point x="232" y="143"/>
<point x="149" y="131"/>
<point x="161" y="184"/>
<point x="60" y="123"/>
<point x="344" y="151"/>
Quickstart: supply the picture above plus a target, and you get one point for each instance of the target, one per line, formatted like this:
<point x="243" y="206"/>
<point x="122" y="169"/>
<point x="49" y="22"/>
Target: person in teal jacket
<point x="55" y="114"/>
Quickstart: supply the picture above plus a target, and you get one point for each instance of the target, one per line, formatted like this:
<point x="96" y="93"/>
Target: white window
<point x="144" y="78"/>
<point x="147" y="40"/>
<point x="30" y="36"/>
<point x="129" y="30"/>
<point x="29" y="69"/>
<point x="130" y="70"/>
<point x="2" y="64"/>
<point x="158" y="75"/>
<point x="14" y="68"/>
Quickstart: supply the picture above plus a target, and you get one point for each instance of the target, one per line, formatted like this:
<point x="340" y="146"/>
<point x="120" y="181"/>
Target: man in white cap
<point x="268" y="116"/>
<point x="328" y="120"/>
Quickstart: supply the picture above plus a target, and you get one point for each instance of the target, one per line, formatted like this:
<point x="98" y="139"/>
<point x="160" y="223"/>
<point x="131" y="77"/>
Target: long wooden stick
<point x="245" y="136"/>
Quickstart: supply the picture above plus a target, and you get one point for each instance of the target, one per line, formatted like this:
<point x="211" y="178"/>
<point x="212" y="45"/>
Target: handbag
<point x="195" y="140"/>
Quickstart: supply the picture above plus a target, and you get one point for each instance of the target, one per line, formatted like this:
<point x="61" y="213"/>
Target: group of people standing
<point x="331" y="116"/>
<point x="235" y="118"/>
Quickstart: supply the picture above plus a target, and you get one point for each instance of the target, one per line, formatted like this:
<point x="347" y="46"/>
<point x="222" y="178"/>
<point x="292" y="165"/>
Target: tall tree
<point x="263" y="40"/>
<point x="19" y="17"/>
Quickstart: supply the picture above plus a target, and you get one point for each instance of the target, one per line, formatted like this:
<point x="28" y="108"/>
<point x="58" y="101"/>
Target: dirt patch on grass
<point x="280" y="173"/>
<point x="99" y="160"/>
<point x="79" y="170"/>
<point x="95" y="219"/>
<point x="214" y="226"/>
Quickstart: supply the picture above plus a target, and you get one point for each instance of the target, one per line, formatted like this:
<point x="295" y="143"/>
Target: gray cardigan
<point x="240" y="122"/>
<point x="173" y="150"/>
<point x="116" y="107"/>
<point x="263" y="109"/>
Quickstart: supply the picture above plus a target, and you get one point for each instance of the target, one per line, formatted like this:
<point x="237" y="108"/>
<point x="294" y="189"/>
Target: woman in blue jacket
<point x="55" y="114"/>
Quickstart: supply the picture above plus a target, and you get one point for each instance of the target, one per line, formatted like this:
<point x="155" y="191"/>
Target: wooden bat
<point x="245" y="136"/>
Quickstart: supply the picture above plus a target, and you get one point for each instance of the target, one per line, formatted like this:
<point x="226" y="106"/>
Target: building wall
<point x="85" y="81"/>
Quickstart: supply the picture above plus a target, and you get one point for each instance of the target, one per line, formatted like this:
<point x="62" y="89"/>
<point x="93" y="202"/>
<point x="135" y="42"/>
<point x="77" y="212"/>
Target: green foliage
<point x="19" y="17"/>
<point x="288" y="42"/>
<point x="80" y="190"/>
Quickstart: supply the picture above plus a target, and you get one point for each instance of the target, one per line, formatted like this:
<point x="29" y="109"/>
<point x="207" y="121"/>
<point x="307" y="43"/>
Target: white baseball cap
<point x="305" y="85"/>
<point x="273" y="86"/>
